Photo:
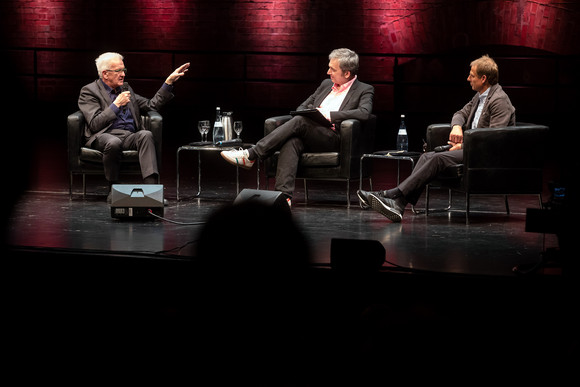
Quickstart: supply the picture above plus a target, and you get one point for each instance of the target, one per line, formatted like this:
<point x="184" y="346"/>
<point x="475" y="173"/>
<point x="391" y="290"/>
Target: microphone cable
<point x="174" y="221"/>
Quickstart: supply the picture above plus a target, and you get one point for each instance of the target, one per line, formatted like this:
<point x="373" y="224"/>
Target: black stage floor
<point x="492" y="244"/>
<point x="447" y="294"/>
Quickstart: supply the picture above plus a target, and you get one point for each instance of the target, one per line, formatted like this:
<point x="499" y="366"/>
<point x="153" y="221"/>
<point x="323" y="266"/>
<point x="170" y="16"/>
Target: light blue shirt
<point x="482" y="98"/>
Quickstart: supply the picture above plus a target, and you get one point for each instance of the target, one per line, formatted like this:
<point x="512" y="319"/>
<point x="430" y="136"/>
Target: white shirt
<point x="482" y="98"/>
<point x="333" y="100"/>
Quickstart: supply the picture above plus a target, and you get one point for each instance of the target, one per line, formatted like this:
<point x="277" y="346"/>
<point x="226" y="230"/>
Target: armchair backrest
<point x="517" y="146"/>
<point x="507" y="160"/>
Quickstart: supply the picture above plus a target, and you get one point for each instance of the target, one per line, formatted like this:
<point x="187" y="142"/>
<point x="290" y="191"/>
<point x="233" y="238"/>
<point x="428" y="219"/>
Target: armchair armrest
<point x="350" y="131"/>
<point x="273" y="122"/>
<point x="75" y="128"/>
<point x="437" y="134"/>
<point x="153" y="121"/>
<point x="356" y="139"/>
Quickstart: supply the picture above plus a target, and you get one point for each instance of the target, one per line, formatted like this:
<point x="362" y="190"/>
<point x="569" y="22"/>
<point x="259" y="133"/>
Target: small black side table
<point x="209" y="147"/>
<point x="412" y="157"/>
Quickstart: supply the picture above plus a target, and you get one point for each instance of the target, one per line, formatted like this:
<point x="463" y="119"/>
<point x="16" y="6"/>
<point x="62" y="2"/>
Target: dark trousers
<point x="114" y="142"/>
<point x="430" y="164"/>
<point x="293" y="138"/>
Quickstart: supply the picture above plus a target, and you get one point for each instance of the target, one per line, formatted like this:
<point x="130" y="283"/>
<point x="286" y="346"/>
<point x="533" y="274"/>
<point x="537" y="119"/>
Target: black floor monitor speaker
<point x="356" y="255"/>
<point x="134" y="201"/>
<point x="269" y="198"/>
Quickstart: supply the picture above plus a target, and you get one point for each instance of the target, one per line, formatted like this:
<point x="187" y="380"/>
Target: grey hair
<point x="347" y="59"/>
<point x="104" y="60"/>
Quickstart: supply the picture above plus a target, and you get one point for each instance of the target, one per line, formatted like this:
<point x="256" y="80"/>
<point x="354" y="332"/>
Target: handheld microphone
<point x="124" y="87"/>
<point x="442" y="148"/>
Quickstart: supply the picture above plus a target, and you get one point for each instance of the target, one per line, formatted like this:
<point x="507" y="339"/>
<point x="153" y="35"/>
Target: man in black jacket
<point x="112" y="112"/>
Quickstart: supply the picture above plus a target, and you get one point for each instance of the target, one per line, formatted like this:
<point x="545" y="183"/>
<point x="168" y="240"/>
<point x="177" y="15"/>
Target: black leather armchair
<point x="356" y="139"/>
<point x="86" y="161"/>
<point x="503" y="161"/>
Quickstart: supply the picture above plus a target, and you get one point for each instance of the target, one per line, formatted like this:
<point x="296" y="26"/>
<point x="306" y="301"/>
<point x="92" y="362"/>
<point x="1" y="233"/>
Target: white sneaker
<point x="238" y="157"/>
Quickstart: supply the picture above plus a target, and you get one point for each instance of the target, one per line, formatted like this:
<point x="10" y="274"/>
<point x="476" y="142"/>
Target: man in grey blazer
<point x="112" y="112"/>
<point x="339" y="98"/>
<point x="490" y="107"/>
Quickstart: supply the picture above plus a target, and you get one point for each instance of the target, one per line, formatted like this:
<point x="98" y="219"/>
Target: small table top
<point x="393" y="154"/>
<point x="209" y="146"/>
<point x="396" y="153"/>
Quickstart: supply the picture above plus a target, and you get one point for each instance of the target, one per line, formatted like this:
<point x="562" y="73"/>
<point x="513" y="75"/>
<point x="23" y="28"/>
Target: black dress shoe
<point x="393" y="193"/>
<point x="391" y="208"/>
<point x="363" y="199"/>
<point x="363" y="196"/>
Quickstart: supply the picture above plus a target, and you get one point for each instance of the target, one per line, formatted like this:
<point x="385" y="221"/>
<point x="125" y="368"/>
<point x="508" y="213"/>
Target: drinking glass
<point x="203" y="127"/>
<point x="238" y="128"/>
<point x="200" y="128"/>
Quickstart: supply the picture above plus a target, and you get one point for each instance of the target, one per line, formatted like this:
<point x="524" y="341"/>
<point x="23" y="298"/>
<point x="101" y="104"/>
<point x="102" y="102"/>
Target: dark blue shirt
<point x="124" y="119"/>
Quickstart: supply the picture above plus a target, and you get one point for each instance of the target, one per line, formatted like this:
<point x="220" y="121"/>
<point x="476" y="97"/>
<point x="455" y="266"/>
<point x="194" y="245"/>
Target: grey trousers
<point x="430" y="164"/>
<point x="114" y="142"/>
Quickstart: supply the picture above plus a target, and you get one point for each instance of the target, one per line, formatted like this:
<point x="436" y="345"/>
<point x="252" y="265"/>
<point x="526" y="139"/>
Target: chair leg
<point x="427" y="200"/>
<point x="541" y="202"/>
<point x="467" y="209"/>
<point x="84" y="185"/>
<point x="305" y="192"/>
<point x="507" y="205"/>
<point x="449" y="199"/>
<point x="70" y="185"/>
<point x="348" y="193"/>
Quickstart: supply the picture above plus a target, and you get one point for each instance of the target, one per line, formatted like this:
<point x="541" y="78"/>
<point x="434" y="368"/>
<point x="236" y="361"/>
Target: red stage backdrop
<point x="261" y="57"/>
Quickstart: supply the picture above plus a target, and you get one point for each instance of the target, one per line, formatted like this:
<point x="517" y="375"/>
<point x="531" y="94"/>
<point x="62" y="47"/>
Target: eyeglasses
<point x="119" y="70"/>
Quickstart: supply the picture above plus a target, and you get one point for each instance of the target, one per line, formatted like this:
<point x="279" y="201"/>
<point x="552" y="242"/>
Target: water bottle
<point x="402" y="139"/>
<point x="218" y="128"/>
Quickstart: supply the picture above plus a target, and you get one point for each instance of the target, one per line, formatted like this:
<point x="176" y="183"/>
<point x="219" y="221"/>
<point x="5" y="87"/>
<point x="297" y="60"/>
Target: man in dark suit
<point x="112" y="112"/>
<point x="339" y="98"/>
<point x="490" y="107"/>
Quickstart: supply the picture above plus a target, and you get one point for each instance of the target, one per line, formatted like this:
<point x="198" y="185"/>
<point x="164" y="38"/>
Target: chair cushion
<point x="323" y="159"/>
<point x="95" y="156"/>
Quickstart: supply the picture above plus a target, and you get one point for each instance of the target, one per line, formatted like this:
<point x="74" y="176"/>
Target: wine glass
<point x="200" y="128"/>
<point x="238" y="128"/>
<point x="203" y="127"/>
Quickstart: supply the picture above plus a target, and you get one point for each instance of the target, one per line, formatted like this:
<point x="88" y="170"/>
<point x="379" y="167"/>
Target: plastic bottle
<point x="218" y="128"/>
<point x="402" y="138"/>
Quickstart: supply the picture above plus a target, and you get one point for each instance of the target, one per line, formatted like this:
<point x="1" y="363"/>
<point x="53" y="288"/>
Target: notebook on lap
<point x="313" y="114"/>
